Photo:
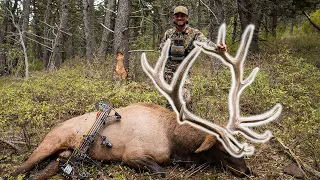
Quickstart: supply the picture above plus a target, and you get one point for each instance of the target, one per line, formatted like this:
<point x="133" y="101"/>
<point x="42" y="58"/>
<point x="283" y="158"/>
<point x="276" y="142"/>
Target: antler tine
<point x="173" y="91"/>
<point x="265" y="117"/>
<point x="232" y="145"/>
<point x="245" y="44"/>
<point x="223" y="56"/>
<point x="222" y="34"/>
<point x="242" y="51"/>
<point x="156" y="74"/>
<point x="257" y="120"/>
<point x="252" y="121"/>
<point x="252" y="135"/>
<point x="180" y="77"/>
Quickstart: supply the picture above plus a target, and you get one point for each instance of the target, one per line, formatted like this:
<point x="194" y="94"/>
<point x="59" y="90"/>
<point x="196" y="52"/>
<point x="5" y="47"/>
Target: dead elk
<point x="146" y="137"/>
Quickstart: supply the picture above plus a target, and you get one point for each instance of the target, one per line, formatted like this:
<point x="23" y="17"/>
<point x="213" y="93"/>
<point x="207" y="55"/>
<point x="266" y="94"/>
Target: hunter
<point x="182" y="37"/>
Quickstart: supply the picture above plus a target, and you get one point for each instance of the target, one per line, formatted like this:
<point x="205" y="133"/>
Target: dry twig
<point x="16" y="148"/>
<point x="302" y="165"/>
<point x="201" y="167"/>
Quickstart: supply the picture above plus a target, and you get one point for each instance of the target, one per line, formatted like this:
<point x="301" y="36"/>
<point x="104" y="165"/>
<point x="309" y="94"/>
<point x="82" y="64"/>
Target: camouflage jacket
<point x="189" y="35"/>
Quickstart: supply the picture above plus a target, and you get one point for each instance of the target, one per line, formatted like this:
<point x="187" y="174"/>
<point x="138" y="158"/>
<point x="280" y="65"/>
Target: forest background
<point x="59" y="57"/>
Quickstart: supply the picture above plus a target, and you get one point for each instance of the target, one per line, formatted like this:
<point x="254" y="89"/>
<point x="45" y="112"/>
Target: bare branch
<point x="51" y="40"/>
<point x="210" y="11"/>
<point x="141" y="50"/>
<point x="22" y="45"/>
<point x="302" y="165"/>
<point x="59" y="29"/>
<point x="11" y="145"/>
<point x="47" y="24"/>
<point x="111" y="11"/>
<point x="312" y="23"/>
<point x="106" y="27"/>
<point x="145" y="19"/>
<point x="48" y="48"/>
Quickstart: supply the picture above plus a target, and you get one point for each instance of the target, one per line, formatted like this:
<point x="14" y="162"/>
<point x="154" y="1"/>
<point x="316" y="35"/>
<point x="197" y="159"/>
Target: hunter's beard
<point x="180" y="24"/>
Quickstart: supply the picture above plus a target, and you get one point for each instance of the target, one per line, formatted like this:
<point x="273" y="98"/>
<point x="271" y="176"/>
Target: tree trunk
<point x="274" y="17"/>
<point x="216" y="19"/>
<point x="250" y="13"/>
<point x="88" y="29"/>
<point x="291" y="27"/>
<point x="235" y="25"/>
<point x="56" y="58"/>
<point x="266" y="27"/>
<point x="107" y="33"/>
<point x="13" y="28"/>
<point x="3" y="42"/>
<point x="158" y="32"/>
<point x="21" y="36"/>
<point x="310" y="20"/>
<point x="154" y="33"/>
<point x="199" y="15"/>
<point x="92" y="22"/>
<point x="23" y="39"/>
<point x="36" y="26"/>
<point x="45" y="52"/>
<point x="162" y="20"/>
<point x="10" y="64"/>
<point x="2" y="55"/>
<point x="121" y="41"/>
<point x="25" y="16"/>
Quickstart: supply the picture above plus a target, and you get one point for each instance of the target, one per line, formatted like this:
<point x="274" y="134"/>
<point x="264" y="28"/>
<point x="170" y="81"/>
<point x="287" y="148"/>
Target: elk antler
<point x="236" y="122"/>
<point x="173" y="93"/>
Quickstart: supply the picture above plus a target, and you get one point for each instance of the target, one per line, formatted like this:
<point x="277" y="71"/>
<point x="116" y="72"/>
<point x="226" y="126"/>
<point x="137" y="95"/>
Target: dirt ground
<point x="268" y="162"/>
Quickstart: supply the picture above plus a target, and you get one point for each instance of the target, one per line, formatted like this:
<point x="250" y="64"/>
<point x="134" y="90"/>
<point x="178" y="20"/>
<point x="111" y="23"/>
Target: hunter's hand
<point x="222" y="47"/>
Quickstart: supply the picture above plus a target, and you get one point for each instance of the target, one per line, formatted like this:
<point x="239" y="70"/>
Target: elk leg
<point x="147" y="163"/>
<point x="50" y="145"/>
<point x="27" y="166"/>
<point x="50" y="170"/>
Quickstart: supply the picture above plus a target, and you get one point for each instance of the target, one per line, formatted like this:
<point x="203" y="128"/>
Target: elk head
<point x="237" y="123"/>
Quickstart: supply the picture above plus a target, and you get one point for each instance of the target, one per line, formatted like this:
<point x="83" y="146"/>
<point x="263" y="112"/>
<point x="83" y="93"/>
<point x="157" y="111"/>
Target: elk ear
<point x="208" y="142"/>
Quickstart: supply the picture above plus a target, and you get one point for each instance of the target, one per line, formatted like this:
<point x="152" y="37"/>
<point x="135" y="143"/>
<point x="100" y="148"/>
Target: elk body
<point x="147" y="137"/>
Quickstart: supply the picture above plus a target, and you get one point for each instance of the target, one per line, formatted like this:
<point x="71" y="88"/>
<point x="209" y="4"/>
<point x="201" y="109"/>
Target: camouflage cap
<point x="181" y="9"/>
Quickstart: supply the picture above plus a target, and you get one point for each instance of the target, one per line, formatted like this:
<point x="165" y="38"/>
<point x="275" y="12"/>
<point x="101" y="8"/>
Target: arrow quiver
<point x="74" y="165"/>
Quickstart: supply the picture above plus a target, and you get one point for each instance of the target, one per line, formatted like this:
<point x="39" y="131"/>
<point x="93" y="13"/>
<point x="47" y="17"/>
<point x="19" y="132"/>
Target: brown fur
<point x="147" y="136"/>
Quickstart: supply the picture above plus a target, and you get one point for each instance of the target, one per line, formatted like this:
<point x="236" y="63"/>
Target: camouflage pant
<point x="170" y="69"/>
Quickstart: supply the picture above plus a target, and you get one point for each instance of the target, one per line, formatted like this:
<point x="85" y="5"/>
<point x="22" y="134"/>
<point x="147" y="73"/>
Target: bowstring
<point x="76" y="152"/>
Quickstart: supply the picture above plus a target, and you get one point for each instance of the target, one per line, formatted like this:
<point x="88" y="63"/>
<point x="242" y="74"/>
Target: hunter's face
<point x="180" y="19"/>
